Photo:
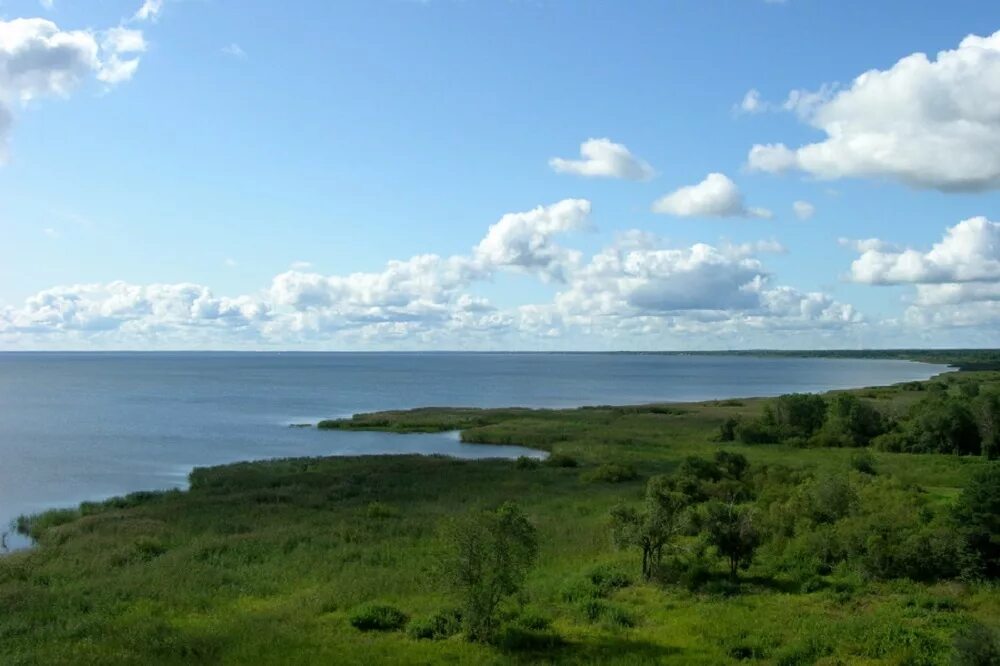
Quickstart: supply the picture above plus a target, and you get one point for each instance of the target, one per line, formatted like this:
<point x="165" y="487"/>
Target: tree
<point x="977" y="513"/>
<point x="986" y="411"/>
<point x="796" y="414"/>
<point x="486" y="557"/>
<point x="651" y="529"/>
<point x="732" y="529"/>
<point x="943" y="426"/>
<point x="852" y="420"/>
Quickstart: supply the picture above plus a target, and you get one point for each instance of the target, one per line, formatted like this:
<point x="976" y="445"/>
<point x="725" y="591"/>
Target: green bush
<point x="864" y="462"/>
<point x="610" y="473"/>
<point x="377" y="617"/>
<point x="443" y="624"/>
<point x="597" y="610"/>
<point x="561" y="460"/>
<point x="531" y="619"/>
<point x="608" y="578"/>
<point x="524" y="462"/>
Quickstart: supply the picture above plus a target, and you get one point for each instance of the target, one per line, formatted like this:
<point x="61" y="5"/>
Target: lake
<point x="87" y="426"/>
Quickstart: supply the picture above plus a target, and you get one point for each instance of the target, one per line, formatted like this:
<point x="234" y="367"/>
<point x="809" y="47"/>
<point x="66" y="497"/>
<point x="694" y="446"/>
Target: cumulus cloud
<point x="715" y="196"/>
<point x="898" y="123"/>
<point x="38" y="59"/>
<point x="604" y="159"/>
<point x="524" y="240"/>
<point x="638" y="292"/>
<point x="956" y="284"/>
<point x="969" y="252"/>
<point x="131" y="308"/>
<point x="803" y="210"/>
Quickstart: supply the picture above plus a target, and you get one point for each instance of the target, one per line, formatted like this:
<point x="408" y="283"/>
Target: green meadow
<point x="861" y="559"/>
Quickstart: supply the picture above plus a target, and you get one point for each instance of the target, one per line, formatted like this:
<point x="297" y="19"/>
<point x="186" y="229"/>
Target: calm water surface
<point x="77" y="427"/>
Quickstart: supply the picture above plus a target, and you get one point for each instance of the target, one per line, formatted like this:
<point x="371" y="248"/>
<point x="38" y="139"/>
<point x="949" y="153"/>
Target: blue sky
<point x="222" y="174"/>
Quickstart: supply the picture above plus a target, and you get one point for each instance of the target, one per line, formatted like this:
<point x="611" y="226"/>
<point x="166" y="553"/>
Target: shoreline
<point x="351" y="423"/>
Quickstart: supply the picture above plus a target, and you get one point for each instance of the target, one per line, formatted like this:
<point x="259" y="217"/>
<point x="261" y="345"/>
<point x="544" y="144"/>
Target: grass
<point x="268" y="562"/>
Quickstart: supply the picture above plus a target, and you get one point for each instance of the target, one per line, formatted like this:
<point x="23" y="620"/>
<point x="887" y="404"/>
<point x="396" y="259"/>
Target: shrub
<point x="756" y="432"/>
<point x="530" y="619"/>
<point x="377" y="617"/>
<point x="610" y="473"/>
<point x="579" y="590"/>
<point x="864" y="462"/>
<point x="561" y="460"/>
<point x="976" y="645"/>
<point x="607" y="578"/>
<point x="443" y="624"/>
<point x="727" y="431"/>
<point x="524" y="462"/>
<point x="596" y="610"/>
<point x="978" y="513"/>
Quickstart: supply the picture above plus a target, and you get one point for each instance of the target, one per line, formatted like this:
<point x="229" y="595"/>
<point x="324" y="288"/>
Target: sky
<point x="499" y="174"/>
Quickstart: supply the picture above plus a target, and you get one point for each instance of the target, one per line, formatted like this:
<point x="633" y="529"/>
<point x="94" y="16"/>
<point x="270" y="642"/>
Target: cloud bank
<point x="636" y="292"/>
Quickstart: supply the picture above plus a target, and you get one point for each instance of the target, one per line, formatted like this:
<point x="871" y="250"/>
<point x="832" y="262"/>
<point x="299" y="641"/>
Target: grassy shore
<point x="264" y="562"/>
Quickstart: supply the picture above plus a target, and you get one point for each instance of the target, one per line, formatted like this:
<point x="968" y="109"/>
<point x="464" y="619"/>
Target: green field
<point x="264" y="563"/>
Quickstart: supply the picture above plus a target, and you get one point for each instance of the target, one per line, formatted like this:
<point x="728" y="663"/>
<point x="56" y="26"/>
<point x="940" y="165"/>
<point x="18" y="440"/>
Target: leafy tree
<point x="986" y="411"/>
<point x="796" y="414"/>
<point x="486" y="558"/>
<point x="729" y="429"/>
<point x="732" y="529"/>
<point x="733" y="465"/>
<point x="651" y="529"/>
<point x="977" y="512"/>
<point x="851" y="421"/>
<point x="942" y="426"/>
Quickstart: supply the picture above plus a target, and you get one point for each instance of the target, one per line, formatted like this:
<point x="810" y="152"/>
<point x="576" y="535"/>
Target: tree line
<point x="962" y="420"/>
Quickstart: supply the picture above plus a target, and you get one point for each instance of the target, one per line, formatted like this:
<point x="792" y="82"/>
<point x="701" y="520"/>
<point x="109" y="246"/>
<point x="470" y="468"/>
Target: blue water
<point x="79" y="426"/>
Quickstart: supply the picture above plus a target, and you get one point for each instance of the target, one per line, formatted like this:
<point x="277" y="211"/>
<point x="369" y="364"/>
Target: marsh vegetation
<point x="644" y="537"/>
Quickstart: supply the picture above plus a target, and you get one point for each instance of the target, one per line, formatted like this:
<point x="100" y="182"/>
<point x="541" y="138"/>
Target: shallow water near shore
<point x="87" y="426"/>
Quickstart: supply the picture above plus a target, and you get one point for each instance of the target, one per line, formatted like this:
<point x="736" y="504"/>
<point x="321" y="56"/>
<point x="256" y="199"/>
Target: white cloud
<point x="38" y="59"/>
<point x="149" y="10"/>
<point x="803" y="210"/>
<point x="524" y="240"/>
<point x="118" y="306"/>
<point x="51" y="233"/>
<point x="900" y="122"/>
<point x="715" y="196"/>
<point x="638" y="292"/>
<point x="961" y="292"/>
<point x="969" y="252"/>
<point x="956" y="282"/>
<point x="606" y="159"/>
<point x="234" y="50"/>
<point x="752" y="102"/>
